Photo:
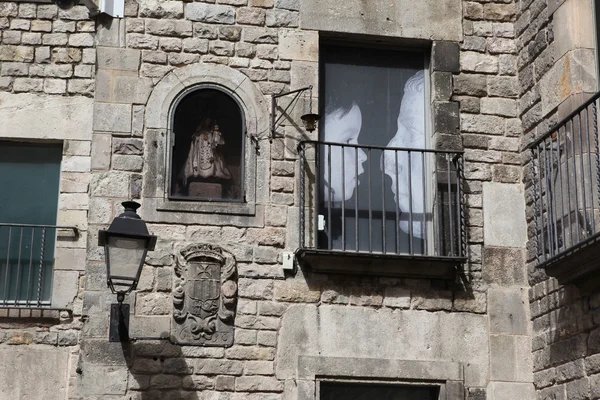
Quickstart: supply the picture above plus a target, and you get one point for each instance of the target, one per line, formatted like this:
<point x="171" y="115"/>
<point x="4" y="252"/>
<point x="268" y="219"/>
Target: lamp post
<point x="126" y="243"/>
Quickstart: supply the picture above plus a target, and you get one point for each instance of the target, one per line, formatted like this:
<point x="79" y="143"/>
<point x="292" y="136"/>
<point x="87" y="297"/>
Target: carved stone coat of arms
<point x="204" y="296"/>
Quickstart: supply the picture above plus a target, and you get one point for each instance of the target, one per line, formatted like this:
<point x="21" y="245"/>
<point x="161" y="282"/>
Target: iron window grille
<point x="406" y="203"/>
<point x="564" y="195"/>
<point x="26" y="264"/>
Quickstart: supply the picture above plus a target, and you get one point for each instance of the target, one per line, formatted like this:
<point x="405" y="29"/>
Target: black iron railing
<point x="381" y="200"/>
<point x="565" y="177"/>
<point x="26" y="263"/>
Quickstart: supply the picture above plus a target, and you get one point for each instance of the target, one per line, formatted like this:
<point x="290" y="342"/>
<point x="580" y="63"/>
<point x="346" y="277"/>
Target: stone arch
<point x="239" y="86"/>
<point x="158" y="116"/>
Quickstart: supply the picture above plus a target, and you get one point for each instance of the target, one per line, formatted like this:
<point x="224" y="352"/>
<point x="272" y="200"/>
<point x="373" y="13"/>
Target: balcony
<point x="565" y="198"/>
<point x="26" y="263"/>
<point x="381" y="210"/>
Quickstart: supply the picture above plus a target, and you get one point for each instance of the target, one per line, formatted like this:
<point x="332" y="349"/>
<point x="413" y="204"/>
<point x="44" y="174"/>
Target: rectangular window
<point x="29" y="189"/>
<point x="369" y="391"/>
<point x="372" y="197"/>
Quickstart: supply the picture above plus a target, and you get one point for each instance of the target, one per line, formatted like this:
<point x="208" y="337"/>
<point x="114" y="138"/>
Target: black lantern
<point x="310" y="121"/>
<point x="126" y="243"/>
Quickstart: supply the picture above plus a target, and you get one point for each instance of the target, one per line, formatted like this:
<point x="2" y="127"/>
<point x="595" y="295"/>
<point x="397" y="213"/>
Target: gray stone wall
<point x="47" y="76"/>
<point x="46" y="50"/>
<point x="566" y="327"/>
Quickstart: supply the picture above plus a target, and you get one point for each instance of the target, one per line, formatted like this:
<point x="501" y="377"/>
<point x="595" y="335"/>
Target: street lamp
<point x="126" y="243"/>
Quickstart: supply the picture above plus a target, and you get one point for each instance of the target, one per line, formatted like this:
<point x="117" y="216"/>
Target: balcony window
<point x="29" y="178"/>
<point x="564" y="197"/>
<point x="364" y="391"/>
<point x="380" y="189"/>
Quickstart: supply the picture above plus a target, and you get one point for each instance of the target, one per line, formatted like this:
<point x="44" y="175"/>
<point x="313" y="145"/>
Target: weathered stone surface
<point x="325" y="330"/>
<point x="161" y="9"/>
<point x="386" y="17"/>
<point x="61" y="118"/>
<point x="508" y="311"/>
<point x="28" y="365"/>
<point x="504" y="215"/>
<point x="571" y="74"/>
<point x="112" y="117"/>
<point x="298" y="45"/>
<point x="476" y="62"/>
<point x="210" y="13"/>
<point x="118" y="58"/>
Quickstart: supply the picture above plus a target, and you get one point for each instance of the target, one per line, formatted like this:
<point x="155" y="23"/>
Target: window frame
<point x="157" y="207"/>
<point x="442" y="127"/>
<point x="327" y="44"/>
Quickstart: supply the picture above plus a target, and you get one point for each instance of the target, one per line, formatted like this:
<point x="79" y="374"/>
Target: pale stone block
<point x="101" y="211"/>
<point x="64" y="287"/>
<point x="398" y="18"/>
<point x="112" y="117"/>
<point x="218" y="14"/>
<point x="77" y="218"/>
<point x="524" y="359"/>
<point x="511" y="391"/>
<point x="574" y="21"/>
<point x="71" y="259"/>
<point x="76" y="164"/>
<point x="575" y="73"/>
<point x="77" y="148"/>
<point x="502" y="358"/>
<point x="101" y="151"/>
<point x="59" y="118"/>
<point x="299" y="45"/>
<point x="376" y="334"/>
<point x="504" y="215"/>
<point x="118" y="58"/>
<point x="28" y="364"/>
<point x="508" y="311"/>
<point x="476" y="62"/>
<point x="161" y="9"/>
<point x="110" y="184"/>
<point x="113" y="87"/>
<point x="73" y="201"/>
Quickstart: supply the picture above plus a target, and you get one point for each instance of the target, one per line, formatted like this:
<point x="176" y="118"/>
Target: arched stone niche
<point x="159" y="117"/>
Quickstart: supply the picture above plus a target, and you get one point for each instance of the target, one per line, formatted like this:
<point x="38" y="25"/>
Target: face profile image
<point x="342" y="124"/>
<point x="407" y="181"/>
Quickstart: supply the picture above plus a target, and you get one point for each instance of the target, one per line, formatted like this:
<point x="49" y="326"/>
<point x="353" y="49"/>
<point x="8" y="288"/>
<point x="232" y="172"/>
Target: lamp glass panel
<point x="125" y="255"/>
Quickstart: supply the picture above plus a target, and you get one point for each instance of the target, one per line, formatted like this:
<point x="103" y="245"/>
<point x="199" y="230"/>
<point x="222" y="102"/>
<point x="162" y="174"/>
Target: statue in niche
<point x="205" y="159"/>
<point x="204" y="296"/>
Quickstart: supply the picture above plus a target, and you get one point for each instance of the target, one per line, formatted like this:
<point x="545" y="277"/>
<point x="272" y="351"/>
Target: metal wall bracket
<point x="119" y="323"/>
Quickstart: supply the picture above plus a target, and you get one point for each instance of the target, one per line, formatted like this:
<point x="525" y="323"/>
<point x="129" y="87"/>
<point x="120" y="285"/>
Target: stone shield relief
<point x="204" y="296"/>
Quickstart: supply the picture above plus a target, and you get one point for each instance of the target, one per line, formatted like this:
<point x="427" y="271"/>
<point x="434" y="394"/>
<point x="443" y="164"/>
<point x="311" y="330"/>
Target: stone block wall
<point x="551" y="35"/>
<point x="273" y="46"/>
<point x="46" y="50"/>
<point x="47" y="77"/>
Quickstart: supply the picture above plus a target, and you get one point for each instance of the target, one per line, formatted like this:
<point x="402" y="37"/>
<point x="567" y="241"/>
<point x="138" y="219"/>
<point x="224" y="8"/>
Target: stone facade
<point x="565" y="320"/>
<point x="107" y="87"/>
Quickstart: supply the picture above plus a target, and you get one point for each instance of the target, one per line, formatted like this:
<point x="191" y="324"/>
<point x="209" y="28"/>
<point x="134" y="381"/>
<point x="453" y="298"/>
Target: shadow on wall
<point x="143" y="369"/>
<point x="394" y="292"/>
<point x="159" y="371"/>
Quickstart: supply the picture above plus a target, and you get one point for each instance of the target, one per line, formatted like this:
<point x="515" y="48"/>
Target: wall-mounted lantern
<point x="309" y="119"/>
<point x="126" y="243"/>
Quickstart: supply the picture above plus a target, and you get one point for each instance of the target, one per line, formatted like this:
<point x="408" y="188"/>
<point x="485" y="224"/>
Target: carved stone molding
<point x="204" y="296"/>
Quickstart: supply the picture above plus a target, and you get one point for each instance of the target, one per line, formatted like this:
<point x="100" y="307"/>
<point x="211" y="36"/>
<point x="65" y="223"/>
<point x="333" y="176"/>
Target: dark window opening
<point x="369" y="391"/>
<point x="208" y="148"/>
